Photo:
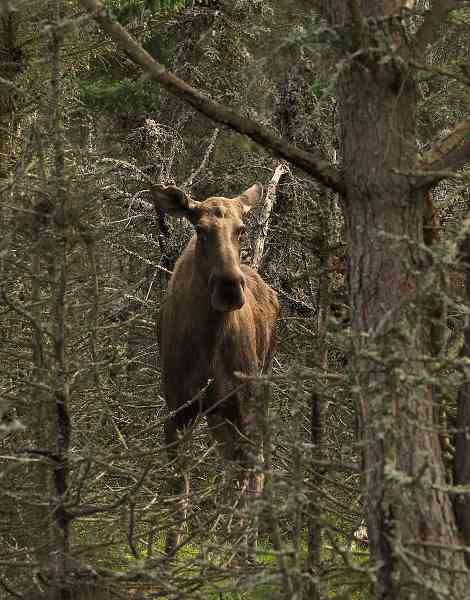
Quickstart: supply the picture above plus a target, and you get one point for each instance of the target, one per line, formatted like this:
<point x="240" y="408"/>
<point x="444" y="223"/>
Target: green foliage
<point x="124" y="96"/>
<point x="120" y="97"/>
<point x="317" y="88"/>
<point x="127" y="10"/>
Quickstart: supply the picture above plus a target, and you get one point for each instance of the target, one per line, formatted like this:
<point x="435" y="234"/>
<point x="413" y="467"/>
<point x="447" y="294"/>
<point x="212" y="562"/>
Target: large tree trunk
<point x="410" y="519"/>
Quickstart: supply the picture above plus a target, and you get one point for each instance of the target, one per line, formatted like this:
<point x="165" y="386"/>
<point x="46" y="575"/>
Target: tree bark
<point x="410" y="519"/>
<point x="462" y="439"/>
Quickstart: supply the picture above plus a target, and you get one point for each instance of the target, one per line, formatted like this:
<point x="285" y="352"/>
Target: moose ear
<point x="172" y="201"/>
<point x="251" y="197"/>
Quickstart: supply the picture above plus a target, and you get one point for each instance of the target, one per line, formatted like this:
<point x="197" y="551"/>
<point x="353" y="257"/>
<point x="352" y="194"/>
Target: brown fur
<point x="206" y="334"/>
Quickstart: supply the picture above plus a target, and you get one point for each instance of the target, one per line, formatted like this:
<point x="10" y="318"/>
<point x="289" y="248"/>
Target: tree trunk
<point x="318" y="403"/>
<point x="11" y="64"/>
<point x="462" y="439"/>
<point x="410" y="520"/>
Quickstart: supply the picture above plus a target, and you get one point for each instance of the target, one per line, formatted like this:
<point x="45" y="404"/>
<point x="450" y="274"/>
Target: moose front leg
<point x="250" y="449"/>
<point x="240" y="446"/>
<point x="178" y="487"/>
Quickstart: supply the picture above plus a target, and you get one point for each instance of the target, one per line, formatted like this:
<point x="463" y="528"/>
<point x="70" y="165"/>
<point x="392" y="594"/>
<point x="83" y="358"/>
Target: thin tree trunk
<point x="462" y="437"/>
<point x="58" y="270"/>
<point x="11" y="64"/>
<point x="317" y="407"/>
<point x="52" y="429"/>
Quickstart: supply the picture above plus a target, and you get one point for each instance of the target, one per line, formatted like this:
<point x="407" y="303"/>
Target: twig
<point x="189" y="182"/>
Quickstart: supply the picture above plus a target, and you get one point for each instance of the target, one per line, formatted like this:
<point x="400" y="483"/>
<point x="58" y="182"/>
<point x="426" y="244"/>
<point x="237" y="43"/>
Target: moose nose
<point x="228" y="281"/>
<point x="227" y="290"/>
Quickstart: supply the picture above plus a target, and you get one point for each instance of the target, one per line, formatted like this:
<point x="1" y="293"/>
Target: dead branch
<point x="189" y="182"/>
<point x="451" y="152"/>
<point x="441" y="70"/>
<point x="266" y="215"/>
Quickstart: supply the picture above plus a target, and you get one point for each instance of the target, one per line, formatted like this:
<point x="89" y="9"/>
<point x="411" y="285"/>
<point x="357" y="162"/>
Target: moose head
<point x="219" y="227"/>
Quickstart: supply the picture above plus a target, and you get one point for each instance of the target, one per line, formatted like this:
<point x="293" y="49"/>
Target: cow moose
<point x="218" y="320"/>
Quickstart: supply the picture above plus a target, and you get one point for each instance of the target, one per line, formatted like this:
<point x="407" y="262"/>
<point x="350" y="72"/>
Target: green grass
<point x="233" y="581"/>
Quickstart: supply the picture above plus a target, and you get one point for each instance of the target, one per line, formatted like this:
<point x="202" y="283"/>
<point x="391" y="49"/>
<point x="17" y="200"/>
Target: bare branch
<point x="189" y="182"/>
<point x="9" y="589"/>
<point x="451" y="152"/>
<point x="265" y="216"/>
<point x="18" y="308"/>
<point x="441" y="70"/>
<point x="44" y="452"/>
<point x="432" y="23"/>
<point x="93" y="509"/>
<point x="130" y="166"/>
<point x="313" y="164"/>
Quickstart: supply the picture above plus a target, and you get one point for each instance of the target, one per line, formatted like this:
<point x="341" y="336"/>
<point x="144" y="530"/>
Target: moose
<point x="217" y="321"/>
